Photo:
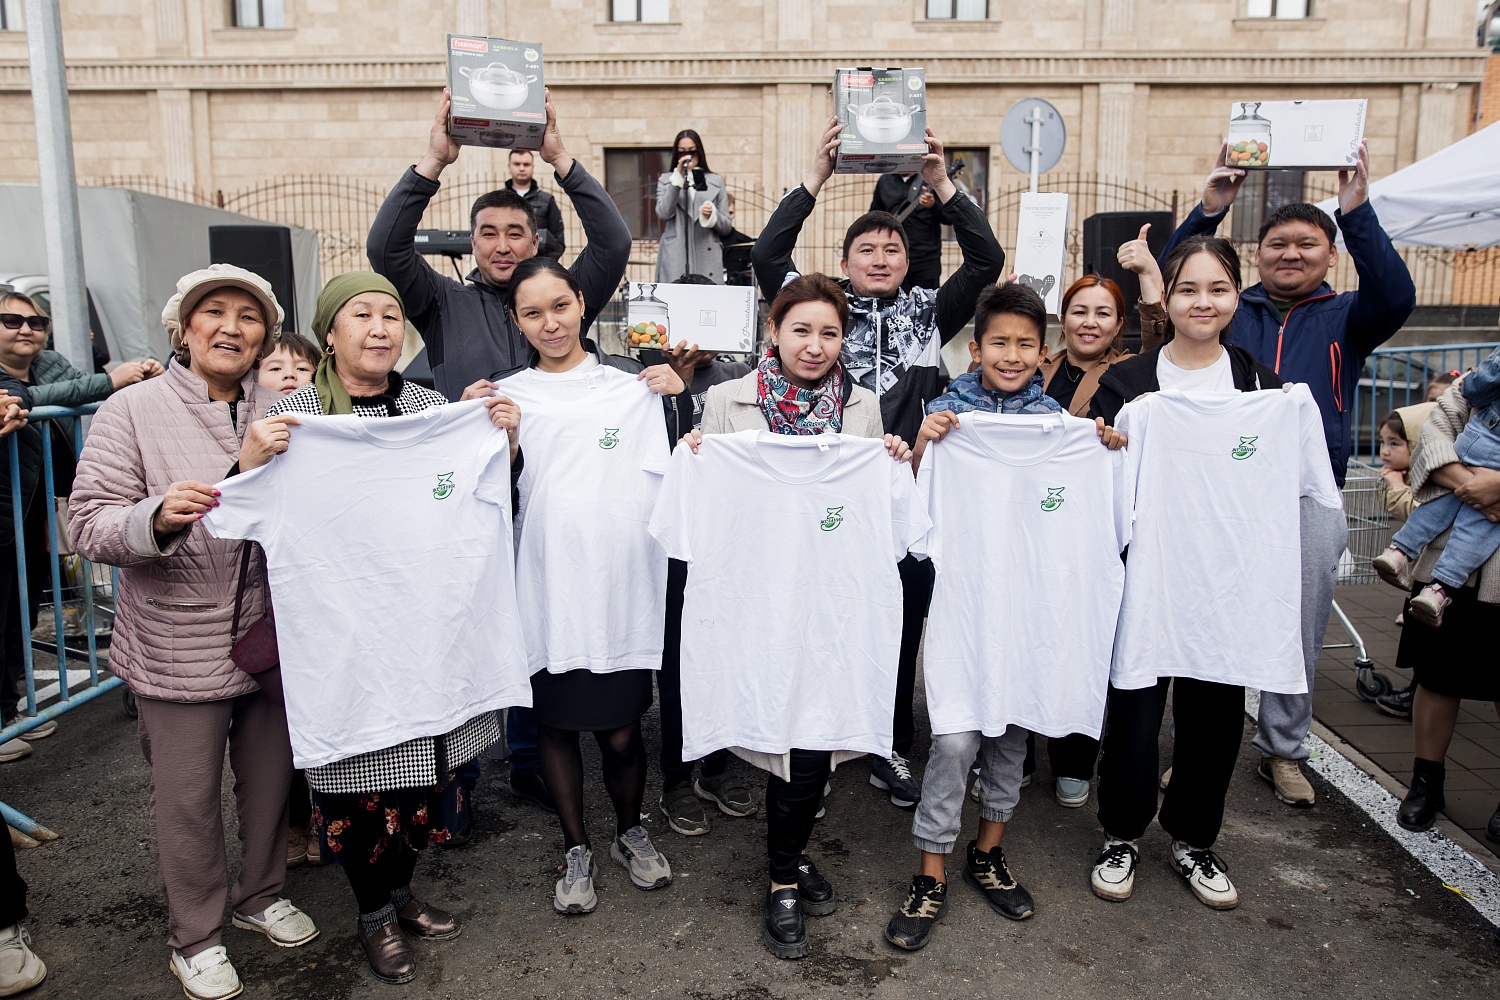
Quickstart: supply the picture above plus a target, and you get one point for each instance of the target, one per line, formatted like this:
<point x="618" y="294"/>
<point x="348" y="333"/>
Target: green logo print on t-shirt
<point x="445" y="486"/>
<point x="1054" y="498"/>
<point x="1246" y="448"/>
<point x="610" y="439"/>
<point x="832" y="519"/>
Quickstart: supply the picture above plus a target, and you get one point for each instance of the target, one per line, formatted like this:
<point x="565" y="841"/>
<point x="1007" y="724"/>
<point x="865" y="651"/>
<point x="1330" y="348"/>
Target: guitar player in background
<point x="910" y="199"/>
<point x="907" y="198"/>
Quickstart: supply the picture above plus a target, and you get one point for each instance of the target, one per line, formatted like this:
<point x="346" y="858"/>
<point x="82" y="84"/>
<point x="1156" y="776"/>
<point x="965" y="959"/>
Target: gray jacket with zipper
<point x="467" y="326"/>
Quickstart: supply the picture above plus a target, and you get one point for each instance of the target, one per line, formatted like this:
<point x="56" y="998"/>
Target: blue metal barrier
<point x="69" y="697"/>
<point x="1398" y="376"/>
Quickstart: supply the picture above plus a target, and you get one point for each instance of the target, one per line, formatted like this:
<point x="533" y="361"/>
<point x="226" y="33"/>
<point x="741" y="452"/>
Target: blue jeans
<point x="520" y="737"/>
<point x="1475" y="538"/>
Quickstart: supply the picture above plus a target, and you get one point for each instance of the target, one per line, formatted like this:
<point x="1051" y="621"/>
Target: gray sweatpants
<point x="940" y="814"/>
<point x="1285" y="718"/>
<point x="184" y="745"/>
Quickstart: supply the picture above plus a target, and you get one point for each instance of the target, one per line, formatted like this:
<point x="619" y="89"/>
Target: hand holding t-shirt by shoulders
<point x="894" y="446"/>
<point x="266" y="438"/>
<point x="662" y="380"/>
<point x="504" y="413"/>
<point x="937" y="425"/>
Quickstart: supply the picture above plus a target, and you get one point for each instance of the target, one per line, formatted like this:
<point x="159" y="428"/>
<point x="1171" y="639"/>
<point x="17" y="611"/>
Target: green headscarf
<point x="332" y="396"/>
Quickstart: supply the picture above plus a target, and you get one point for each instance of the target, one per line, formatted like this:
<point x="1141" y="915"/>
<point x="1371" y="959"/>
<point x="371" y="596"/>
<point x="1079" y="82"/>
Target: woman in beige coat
<point x="143" y="483"/>
<point x="800" y="387"/>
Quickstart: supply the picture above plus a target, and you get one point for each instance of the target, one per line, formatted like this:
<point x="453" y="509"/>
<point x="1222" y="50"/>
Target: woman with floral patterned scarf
<point x="800" y="387"/>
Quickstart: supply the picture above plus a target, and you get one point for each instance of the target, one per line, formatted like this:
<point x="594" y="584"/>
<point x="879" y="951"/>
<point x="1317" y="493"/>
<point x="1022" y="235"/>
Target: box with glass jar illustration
<point x="884" y="114"/>
<point x="496" y="93"/>
<point x="718" y="318"/>
<point x="1295" y="135"/>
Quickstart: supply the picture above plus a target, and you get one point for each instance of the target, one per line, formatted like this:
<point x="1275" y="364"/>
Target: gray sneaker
<point x="685" y="814"/>
<point x="575" y="890"/>
<point x="633" y="851"/>
<point x="892" y="774"/>
<point x="729" y="793"/>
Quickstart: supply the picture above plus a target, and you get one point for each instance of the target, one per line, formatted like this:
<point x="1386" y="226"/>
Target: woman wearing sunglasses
<point x="52" y="381"/>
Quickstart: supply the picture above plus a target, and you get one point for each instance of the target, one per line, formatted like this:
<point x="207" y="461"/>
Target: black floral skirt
<point x="365" y="827"/>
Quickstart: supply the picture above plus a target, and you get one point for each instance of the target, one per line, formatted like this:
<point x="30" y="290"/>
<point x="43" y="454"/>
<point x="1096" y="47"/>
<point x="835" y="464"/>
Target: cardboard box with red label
<point x="884" y="114"/>
<point x="497" y="98"/>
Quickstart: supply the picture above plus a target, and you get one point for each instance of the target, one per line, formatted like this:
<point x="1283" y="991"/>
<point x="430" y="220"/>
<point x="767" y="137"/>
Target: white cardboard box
<point x="1042" y="246"/>
<point x="715" y="317"/>
<point x="884" y="114"/>
<point x="496" y="93"/>
<point x="1295" y="135"/>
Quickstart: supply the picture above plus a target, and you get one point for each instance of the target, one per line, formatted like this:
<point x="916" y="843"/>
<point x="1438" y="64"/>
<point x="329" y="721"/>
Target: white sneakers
<point x="207" y="975"/>
<point x="283" y="923"/>
<point x="20" y="969"/>
<point x="1113" y="877"/>
<point x="1205" y="875"/>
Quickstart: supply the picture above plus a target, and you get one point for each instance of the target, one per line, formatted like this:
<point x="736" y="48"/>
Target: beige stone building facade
<point x="174" y="91"/>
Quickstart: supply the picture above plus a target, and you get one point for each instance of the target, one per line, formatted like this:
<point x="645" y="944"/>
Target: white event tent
<point x="1450" y="199"/>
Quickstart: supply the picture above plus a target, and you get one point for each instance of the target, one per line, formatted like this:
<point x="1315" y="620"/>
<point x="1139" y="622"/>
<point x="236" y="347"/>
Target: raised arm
<point x="1219" y="192"/>
<point x="983" y="259"/>
<point x="391" y="245"/>
<point x="1386" y="295"/>
<point x="601" y="266"/>
<point x="771" y="257"/>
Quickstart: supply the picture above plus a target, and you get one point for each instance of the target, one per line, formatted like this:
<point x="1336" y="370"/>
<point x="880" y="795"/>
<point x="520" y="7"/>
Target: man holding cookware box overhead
<point x="468" y="327"/>
<point x="1293" y="322"/>
<point x="893" y="338"/>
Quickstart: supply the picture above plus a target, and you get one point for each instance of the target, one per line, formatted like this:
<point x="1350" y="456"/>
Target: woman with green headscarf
<point x="377" y="810"/>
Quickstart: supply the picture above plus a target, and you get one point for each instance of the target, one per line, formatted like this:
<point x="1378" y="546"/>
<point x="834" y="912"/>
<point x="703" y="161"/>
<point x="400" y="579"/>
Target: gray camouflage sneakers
<point x="575" y="890"/>
<point x="632" y="850"/>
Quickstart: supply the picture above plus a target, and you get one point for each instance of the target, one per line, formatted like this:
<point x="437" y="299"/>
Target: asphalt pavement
<point x="1330" y="906"/>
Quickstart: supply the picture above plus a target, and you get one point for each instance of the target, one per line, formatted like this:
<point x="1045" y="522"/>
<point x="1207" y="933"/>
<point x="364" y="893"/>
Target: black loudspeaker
<point x="1103" y="235"/>
<point x="266" y="250"/>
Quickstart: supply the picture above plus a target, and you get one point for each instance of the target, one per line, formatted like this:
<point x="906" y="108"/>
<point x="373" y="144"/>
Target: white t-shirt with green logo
<point x="388" y="543"/>
<point x="591" y="580"/>
<point x="1029" y="514"/>
<point x="1213" y="585"/>
<point x="791" y="623"/>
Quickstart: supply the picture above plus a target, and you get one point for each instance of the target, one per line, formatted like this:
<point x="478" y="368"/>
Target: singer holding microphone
<point x="693" y="204"/>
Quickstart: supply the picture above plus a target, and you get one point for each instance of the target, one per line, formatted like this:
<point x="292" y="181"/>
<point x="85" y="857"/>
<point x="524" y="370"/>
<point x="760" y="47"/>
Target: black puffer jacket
<point x="1135" y="376"/>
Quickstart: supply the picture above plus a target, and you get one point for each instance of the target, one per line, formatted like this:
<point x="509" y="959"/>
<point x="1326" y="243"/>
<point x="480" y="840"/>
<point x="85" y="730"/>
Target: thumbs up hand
<point x="1136" y="255"/>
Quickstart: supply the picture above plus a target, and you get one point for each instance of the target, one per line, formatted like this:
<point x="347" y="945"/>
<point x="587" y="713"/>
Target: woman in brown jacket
<point x="142" y="485"/>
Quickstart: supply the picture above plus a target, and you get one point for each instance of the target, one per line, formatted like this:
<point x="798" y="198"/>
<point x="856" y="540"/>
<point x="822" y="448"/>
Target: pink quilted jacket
<point x="173" y="611"/>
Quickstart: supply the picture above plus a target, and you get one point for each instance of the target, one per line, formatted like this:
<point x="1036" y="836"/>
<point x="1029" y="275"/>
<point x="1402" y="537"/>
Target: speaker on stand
<point x="266" y="250"/>
<point x="1103" y="235"/>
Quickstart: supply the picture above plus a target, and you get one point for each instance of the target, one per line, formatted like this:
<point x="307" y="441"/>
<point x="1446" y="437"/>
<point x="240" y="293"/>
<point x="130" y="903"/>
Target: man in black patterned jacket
<point x="892" y="348"/>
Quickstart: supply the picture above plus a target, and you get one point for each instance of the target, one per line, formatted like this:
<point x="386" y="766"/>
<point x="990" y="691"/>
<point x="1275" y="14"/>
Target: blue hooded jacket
<point x="1326" y="337"/>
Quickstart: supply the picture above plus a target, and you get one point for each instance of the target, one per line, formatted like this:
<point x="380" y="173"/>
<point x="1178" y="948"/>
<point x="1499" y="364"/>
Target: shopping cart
<point x="1370" y="530"/>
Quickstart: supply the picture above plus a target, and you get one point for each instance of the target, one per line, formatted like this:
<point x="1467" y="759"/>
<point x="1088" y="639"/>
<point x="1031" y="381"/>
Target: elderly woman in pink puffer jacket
<point x="143" y="482"/>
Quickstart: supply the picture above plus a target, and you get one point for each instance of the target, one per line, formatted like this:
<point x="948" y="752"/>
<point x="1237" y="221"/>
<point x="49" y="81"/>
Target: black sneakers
<point x="783" y="931"/>
<point x="814" y="891"/>
<point x="988" y="872"/>
<point x="926" y="902"/>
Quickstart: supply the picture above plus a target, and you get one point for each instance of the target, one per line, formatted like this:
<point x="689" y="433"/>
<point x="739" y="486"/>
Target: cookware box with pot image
<point x="884" y="114"/>
<point x="496" y="88"/>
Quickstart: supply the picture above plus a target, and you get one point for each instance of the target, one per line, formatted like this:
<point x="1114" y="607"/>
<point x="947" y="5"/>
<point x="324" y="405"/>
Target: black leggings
<point x="1210" y="722"/>
<point x="624" y="776"/>
<point x="917" y="578"/>
<point x="374" y="881"/>
<point x="790" y="810"/>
